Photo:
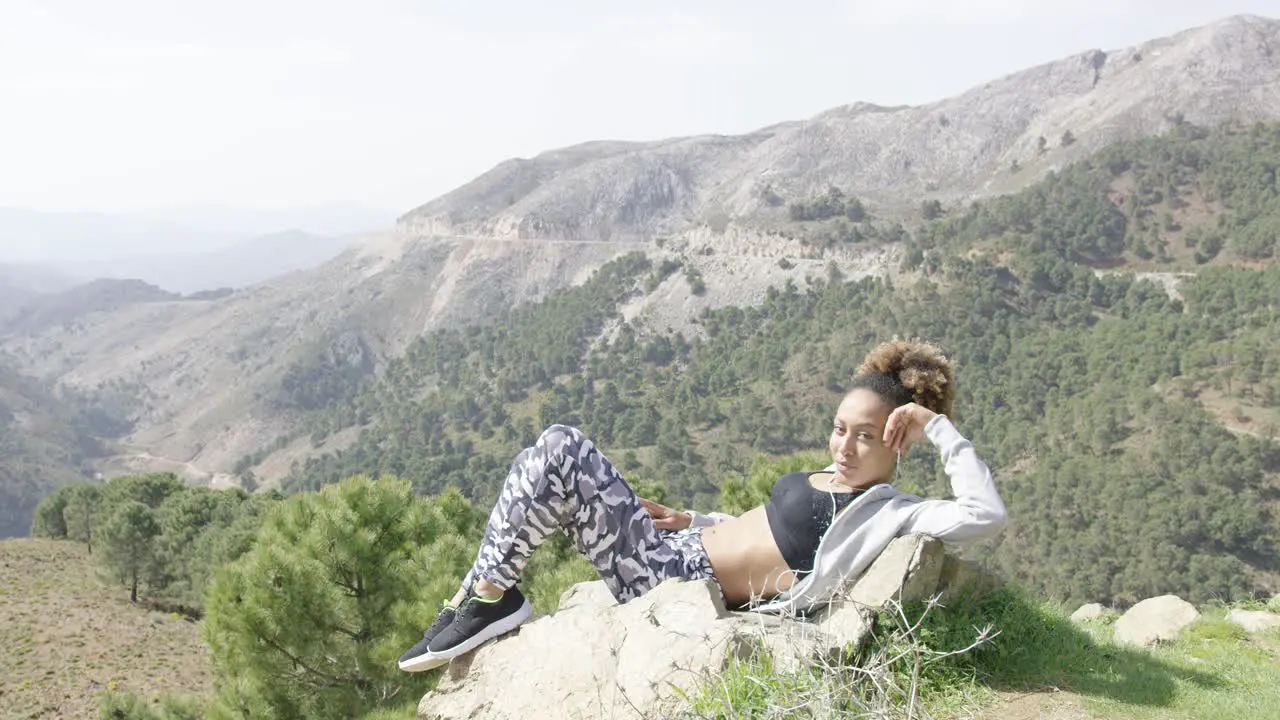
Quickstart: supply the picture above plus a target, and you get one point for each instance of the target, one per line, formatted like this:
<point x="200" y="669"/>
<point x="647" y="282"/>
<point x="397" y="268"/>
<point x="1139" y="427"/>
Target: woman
<point x="792" y="555"/>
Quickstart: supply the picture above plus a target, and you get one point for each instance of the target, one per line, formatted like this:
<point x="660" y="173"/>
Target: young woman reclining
<point x="819" y="529"/>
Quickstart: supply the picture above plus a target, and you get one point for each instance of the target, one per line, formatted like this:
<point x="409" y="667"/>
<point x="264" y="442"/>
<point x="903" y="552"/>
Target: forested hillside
<point x="1180" y="200"/>
<point x="44" y="444"/>
<point x="1129" y="430"/>
<point x="51" y="435"/>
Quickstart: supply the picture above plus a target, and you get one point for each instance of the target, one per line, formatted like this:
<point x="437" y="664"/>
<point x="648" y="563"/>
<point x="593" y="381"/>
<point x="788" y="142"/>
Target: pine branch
<point x="334" y="680"/>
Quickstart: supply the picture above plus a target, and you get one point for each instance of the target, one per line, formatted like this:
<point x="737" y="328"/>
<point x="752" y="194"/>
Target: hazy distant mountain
<point x="11" y="298"/>
<point x="22" y="283"/>
<point x="31" y="236"/>
<point x="329" y="219"/>
<point x="245" y="263"/>
<point x="35" y="279"/>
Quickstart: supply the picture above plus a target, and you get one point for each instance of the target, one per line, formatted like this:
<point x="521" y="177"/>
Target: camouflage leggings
<point x="564" y="483"/>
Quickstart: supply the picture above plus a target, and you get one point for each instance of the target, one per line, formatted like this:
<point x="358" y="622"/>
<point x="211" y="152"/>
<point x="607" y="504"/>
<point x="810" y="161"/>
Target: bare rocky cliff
<point x="991" y="139"/>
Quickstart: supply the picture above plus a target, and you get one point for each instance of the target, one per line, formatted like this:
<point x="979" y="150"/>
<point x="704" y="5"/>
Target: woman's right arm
<point x="977" y="510"/>
<point x="665" y="518"/>
<point x="697" y="519"/>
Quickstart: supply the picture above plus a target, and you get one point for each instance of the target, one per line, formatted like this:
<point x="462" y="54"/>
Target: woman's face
<point x="857" y="440"/>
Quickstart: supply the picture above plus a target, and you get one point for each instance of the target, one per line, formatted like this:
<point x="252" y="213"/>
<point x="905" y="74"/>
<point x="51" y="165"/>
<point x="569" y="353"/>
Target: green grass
<point x="408" y="711"/>
<point x="1215" y="670"/>
<point x="755" y="688"/>
<point x="1244" y="673"/>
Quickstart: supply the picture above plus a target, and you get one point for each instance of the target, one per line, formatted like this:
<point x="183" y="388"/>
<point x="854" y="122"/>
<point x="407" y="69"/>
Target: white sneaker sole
<point x="422" y="663"/>
<point x="502" y="627"/>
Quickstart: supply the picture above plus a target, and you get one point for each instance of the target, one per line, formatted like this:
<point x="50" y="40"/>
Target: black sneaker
<point x="478" y="621"/>
<point x="418" y="659"/>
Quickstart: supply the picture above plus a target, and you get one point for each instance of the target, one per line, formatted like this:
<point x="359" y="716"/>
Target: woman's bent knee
<point x="560" y="435"/>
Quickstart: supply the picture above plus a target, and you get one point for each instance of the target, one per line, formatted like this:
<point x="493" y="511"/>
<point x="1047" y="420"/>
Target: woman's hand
<point x="906" y="425"/>
<point x="665" y="518"/>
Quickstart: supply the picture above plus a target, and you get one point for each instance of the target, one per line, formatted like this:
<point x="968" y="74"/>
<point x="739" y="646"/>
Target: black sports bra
<point x="799" y="515"/>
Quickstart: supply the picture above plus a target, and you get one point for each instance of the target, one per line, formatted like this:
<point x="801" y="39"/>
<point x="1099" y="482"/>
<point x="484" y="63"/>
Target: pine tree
<point x="310" y="622"/>
<point x="48" y="521"/>
<point x="127" y="543"/>
<point x="81" y="513"/>
<point x="189" y="522"/>
<point x="150" y="490"/>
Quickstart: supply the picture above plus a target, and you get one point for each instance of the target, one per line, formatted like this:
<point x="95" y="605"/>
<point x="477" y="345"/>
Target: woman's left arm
<point x="977" y="510"/>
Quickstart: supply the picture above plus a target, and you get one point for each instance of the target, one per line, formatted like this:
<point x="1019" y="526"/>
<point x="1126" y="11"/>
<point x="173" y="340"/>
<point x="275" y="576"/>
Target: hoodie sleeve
<point x="707" y="519"/>
<point x="977" y="510"/>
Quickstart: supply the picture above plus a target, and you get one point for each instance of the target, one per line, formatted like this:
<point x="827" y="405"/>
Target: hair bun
<point x="921" y="367"/>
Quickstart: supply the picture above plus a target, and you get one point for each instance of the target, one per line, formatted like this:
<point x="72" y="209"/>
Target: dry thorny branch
<point x="881" y="682"/>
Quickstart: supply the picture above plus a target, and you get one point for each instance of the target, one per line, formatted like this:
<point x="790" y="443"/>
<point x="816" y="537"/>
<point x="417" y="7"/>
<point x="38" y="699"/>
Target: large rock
<point x="907" y="570"/>
<point x="1091" y="611"/>
<point x="1254" y="620"/>
<point x="595" y="658"/>
<point x="1155" y="620"/>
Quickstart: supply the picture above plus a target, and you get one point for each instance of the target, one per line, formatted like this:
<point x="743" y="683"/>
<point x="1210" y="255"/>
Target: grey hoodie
<point x="867" y="525"/>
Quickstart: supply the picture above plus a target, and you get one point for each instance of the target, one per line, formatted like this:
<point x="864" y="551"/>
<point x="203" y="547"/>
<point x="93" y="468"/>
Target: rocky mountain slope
<point x="991" y="139"/>
<point x="214" y="371"/>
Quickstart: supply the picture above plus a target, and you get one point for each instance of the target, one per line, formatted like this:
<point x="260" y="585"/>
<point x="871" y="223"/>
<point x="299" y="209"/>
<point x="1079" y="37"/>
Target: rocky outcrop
<point x="595" y="658"/>
<point x="1155" y="620"/>
<point x="1254" y="620"/>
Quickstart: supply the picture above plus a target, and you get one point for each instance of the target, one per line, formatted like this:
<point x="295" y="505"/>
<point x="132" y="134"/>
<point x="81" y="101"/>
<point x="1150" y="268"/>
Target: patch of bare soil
<point x="1038" y="706"/>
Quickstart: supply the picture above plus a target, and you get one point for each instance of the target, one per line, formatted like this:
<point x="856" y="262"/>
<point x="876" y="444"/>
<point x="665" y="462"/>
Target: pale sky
<point x="128" y="106"/>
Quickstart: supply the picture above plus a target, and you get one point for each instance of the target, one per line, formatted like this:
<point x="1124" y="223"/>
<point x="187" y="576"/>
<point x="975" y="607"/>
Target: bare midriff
<point x="745" y="558"/>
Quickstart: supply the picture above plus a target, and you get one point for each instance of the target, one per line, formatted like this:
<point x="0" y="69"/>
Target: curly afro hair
<point x="905" y="371"/>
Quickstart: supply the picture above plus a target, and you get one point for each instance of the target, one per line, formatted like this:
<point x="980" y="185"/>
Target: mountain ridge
<point x="954" y="150"/>
<point x="42" y="311"/>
